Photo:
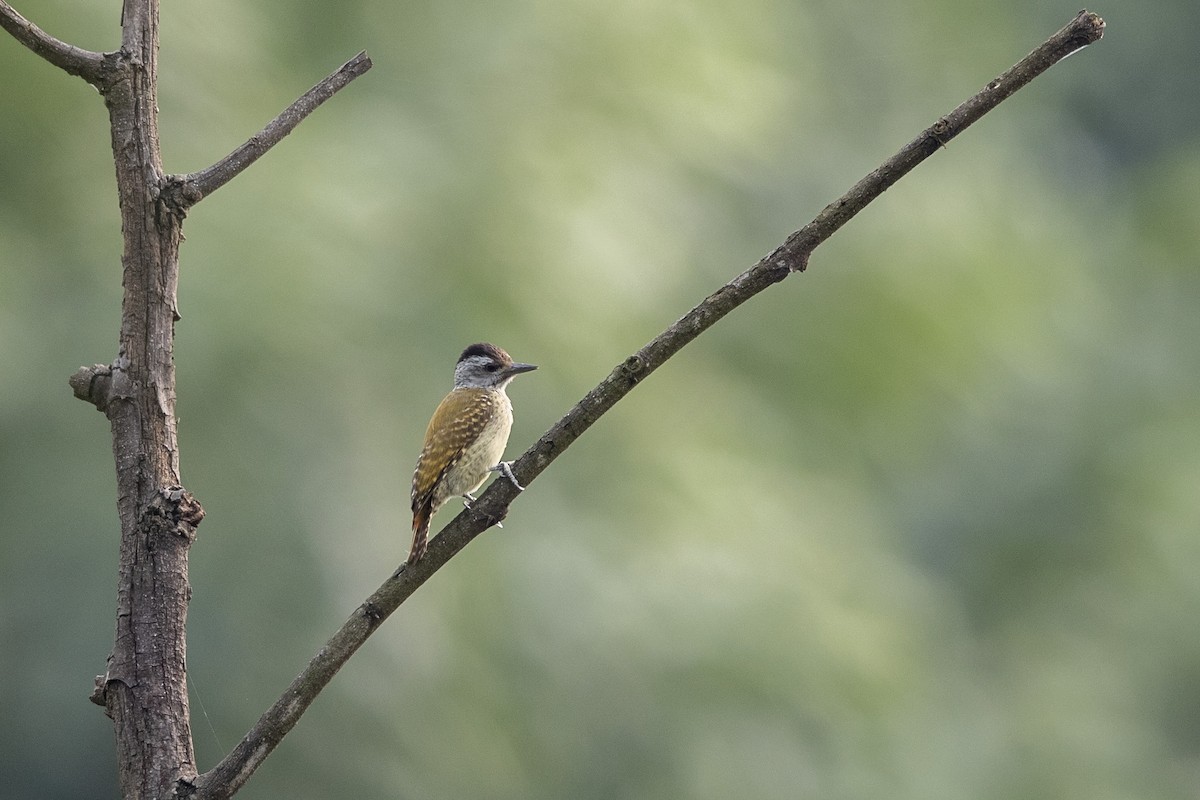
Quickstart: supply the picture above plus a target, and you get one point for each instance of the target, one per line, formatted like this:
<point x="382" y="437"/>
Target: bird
<point x="465" y="438"/>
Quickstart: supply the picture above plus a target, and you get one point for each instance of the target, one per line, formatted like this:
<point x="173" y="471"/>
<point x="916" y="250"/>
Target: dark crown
<point x="487" y="351"/>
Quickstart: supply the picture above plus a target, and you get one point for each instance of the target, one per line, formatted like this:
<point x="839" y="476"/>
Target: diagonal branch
<point x="74" y="60"/>
<point x="194" y="187"/>
<point x="792" y="256"/>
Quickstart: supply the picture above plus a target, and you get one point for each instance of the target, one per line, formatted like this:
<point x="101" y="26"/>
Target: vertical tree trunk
<point x="145" y="688"/>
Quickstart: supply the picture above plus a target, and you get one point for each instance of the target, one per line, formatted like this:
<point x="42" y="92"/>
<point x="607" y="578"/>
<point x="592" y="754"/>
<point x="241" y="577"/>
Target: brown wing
<point x="456" y="423"/>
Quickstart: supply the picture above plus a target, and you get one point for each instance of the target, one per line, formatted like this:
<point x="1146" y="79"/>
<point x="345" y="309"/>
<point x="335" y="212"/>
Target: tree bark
<point x="145" y="685"/>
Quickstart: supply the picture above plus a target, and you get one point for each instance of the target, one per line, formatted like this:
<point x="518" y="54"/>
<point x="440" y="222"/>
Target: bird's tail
<point x="420" y="534"/>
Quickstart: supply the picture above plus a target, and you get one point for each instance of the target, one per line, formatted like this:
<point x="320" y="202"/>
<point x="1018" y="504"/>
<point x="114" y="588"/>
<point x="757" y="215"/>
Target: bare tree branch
<point x="73" y="60"/>
<point x="792" y="256"/>
<point x="195" y="186"/>
<point x="143" y="688"/>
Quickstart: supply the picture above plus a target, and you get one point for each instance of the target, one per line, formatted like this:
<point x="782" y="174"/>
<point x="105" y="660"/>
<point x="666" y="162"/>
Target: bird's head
<point x="485" y="366"/>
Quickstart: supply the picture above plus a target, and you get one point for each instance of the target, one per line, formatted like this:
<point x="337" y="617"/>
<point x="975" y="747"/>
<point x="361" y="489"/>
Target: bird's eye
<point x="492" y="366"/>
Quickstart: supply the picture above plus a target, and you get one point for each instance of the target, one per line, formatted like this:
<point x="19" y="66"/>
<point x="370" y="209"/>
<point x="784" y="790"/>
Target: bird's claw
<point x="469" y="498"/>
<point x="505" y="469"/>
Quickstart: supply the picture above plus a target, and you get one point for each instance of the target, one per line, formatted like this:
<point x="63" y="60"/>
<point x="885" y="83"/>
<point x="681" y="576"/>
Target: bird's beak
<point x="517" y="368"/>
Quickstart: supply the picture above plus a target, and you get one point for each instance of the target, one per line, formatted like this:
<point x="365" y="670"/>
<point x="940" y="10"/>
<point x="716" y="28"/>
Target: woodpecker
<point x="465" y="438"/>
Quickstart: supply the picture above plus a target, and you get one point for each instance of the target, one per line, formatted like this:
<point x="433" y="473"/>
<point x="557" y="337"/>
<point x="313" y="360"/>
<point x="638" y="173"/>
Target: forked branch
<point x="792" y="256"/>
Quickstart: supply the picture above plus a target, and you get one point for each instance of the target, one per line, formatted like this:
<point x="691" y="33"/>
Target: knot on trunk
<point x="173" y="511"/>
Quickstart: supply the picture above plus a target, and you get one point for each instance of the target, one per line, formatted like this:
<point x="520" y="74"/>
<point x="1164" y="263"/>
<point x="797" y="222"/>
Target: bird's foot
<point x="505" y="469"/>
<point x="469" y="498"/>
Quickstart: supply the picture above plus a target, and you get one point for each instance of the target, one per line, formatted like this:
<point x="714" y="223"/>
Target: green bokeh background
<point x="923" y="522"/>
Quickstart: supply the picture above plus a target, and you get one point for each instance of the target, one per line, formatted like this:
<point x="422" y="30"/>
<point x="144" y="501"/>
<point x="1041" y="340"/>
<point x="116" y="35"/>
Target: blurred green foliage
<point x="920" y="523"/>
